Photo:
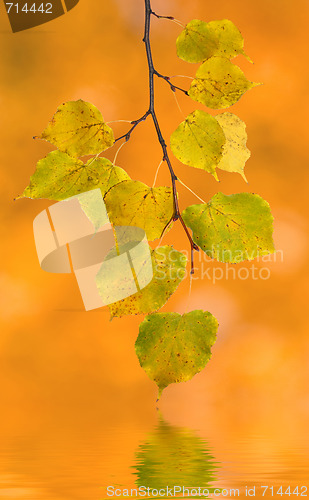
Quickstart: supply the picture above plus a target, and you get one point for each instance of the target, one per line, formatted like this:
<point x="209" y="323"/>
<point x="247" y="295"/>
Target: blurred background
<point x="75" y="404"/>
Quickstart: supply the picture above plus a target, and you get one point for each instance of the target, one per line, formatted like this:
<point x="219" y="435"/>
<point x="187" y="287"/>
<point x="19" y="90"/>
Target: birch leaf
<point x="196" y="42"/>
<point x="59" y="176"/>
<point x="78" y="128"/>
<point x="232" y="228"/>
<point x="200" y="40"/>
<point x="172" y="348"/>
<point x="132" y="203"/>
<point x="230" y="42"/>
<point x="235" y="151"/>
<point x="169" y="268"/>
<point x="219" y="84"/>
<point x="198" y="142"/>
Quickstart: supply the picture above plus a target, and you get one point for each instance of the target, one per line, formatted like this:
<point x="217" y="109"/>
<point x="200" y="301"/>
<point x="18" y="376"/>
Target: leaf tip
<point x="244" y="177"/>
<point x="161" y="389"/>
<point x="247" y="57"/>
<point x="256" y="84"/>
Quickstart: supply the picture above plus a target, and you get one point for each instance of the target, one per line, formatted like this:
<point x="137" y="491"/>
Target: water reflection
<point x="175" y="457"/>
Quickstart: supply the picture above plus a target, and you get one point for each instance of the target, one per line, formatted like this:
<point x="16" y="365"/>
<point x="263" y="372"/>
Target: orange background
<point x="66" y="373"/>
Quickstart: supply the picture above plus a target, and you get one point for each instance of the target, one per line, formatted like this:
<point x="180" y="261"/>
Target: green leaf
<point x="198" y="142"/>
<point x="232" y="228"/>
<point x="219" y="83"/>
<point x="132" y="203"/>
<point x="169" y="267"/>
<point x="172" y="348"/>
<point x="78" y="128"/>
<point x="59" y="176"/>
<point x="200" y="41"/>
<point x="235" y="151"/>
<point x="230" y="42"/>
<point x="196" y="42"/>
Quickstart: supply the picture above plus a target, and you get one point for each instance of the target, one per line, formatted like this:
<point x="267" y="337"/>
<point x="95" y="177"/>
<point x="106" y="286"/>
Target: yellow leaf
<point x="196" y="42"/>
<point x="169" y="269"/>
<point x="198" y="142"/>
<point x="230" y="42"/>
<point x="172" y="348"/>
<point x="219" y="83"/>
<point x="132" y="203"/>
<point x="235" y="151"/>
<point x="59" y="176"/>
<point x="78" y="129"/>
<point x="199" y="41"/>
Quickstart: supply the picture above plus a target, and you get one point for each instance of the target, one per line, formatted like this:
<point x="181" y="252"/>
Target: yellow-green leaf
<point x="198" y="142"/>
<point x="230" y="42"/>
<point x="132" y="203"/>
<point x="196" y="42"/>
<point x="200" y="41"/>
<point x="59" y="176"/>
<point x="235" y="151"/>
<point x="219" y="83"/>
<point x="173" y="348"/>
<point x="78" y="128"/>
<point x="169" y="269"/>
<point x="232" y="228"/>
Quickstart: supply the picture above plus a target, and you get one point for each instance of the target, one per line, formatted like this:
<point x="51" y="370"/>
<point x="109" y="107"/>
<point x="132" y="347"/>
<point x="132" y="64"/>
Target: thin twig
<point x="167" y="79"/>
<point x="134" y="124"/>
<point x="170" y="18"/>
<point x="164" y="232"/>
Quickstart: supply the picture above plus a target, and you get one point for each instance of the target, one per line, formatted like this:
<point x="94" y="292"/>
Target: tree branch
<point x="166" y="158"/>
<point x="151" y="112"/>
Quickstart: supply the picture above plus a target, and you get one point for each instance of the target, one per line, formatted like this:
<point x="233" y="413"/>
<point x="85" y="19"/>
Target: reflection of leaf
<point x="132" y="203"/>
<point x="78" y="128"/>
<point x="235" y="151"/>
<point x="198" y="142"/>
<point x="219" y="83"/>
<point x="232" y="228"/>
<point x="169" y="268"/>
<point x="173" y="348"/>
<point x="59" y="176"/>
<point x="200" y="41"/>
<point x="174" y="456"/>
